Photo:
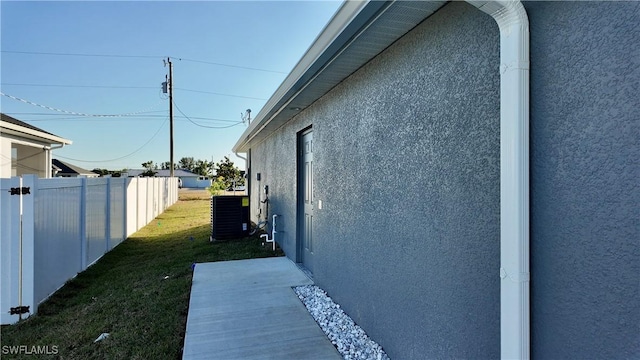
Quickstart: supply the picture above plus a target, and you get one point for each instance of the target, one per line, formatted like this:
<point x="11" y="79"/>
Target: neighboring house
<point x="26" y="149"/>
<point x="189" y="179"/>
<point x="64" y="169"/>
<point x="421" y="154"/>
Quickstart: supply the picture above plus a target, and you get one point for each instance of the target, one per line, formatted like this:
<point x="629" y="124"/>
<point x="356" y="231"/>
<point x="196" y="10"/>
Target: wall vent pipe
<point x="273" y="233"/>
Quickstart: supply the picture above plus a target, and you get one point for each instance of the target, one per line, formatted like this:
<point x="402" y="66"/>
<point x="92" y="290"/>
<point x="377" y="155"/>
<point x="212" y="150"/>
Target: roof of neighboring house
<point x="358" y="31"/>
<point x="66" y="168"/>
<point x="163" y="173"/>
<point x="20" y="128"/>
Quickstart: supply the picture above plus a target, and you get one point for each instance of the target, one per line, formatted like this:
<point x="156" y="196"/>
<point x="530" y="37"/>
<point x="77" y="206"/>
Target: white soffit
<point x="358" y="32"/>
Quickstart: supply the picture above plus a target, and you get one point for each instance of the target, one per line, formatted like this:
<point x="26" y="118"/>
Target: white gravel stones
<point x="350" y="340"/>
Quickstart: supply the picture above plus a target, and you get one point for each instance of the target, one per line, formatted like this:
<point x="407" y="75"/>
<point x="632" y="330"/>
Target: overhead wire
<point x="139" y="113"/>
<point x="142" y="57"/>
<point x="232" y="66"/>
<point x="50" y="114"/>
<point x="26" y="167"/>
<point x="219" y="94"/>
<point x="204" y="126"/>
<point x="122" y="157"/>
<point x="73" y="112"/>
<point x="136" y="117"/>
<point x="80" y="54"/>
<point x="131" y="87"/>
<point x="11" y="159"/>
<point x="81" y="86"/>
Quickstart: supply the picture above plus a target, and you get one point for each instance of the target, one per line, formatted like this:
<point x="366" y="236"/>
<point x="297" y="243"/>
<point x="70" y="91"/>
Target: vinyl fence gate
<point x="52" y="229"/>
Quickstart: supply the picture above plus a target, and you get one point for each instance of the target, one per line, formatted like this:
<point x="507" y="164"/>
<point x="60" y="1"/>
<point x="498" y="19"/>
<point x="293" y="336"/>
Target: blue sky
<point x="252" y="45"/>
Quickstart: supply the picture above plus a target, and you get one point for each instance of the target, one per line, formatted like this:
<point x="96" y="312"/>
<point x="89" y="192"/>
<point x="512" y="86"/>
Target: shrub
<point x="217" y="186"/>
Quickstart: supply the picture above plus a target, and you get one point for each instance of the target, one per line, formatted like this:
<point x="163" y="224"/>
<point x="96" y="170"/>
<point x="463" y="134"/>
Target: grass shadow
<point x="138" y="292"/>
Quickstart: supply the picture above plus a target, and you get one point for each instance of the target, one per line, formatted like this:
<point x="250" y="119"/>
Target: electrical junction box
<point x="229" y="217"/>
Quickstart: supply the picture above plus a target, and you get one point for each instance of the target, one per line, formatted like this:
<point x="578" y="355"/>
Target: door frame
<point x="300" y="193"/>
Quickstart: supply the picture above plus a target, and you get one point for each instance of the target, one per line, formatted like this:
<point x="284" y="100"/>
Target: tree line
<point x="224" y="172"/>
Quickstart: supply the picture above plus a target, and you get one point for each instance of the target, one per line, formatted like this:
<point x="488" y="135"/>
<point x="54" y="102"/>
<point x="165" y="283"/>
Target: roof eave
<point x="358" y="32"/>
<point x="34" y="134"/>
<point x="342" y="18"/>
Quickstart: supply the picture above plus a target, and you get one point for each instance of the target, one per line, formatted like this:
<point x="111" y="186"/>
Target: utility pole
<point x="170" y="116"/>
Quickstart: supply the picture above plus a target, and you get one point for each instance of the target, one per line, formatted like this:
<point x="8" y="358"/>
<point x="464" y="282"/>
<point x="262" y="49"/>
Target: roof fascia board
<point x="346" y="23"/>
<point x="19" y="139"/>
<point x="34" y="134"/>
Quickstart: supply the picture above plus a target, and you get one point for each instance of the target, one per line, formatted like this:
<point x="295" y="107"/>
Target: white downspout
<point x="48" y="163"/>
<point x="243" y="158"/>
<point x="49" y="160"/>
<point x="514" y="175"/>
<point x="246" y="169"/>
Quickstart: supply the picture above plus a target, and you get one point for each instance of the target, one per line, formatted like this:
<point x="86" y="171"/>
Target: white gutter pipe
<point x="246" y="173"/>
<point x="246" y="163"/>
<point x="49" y="159"/>
<point x="242" y="157"/>
<point x="514" y="175"/>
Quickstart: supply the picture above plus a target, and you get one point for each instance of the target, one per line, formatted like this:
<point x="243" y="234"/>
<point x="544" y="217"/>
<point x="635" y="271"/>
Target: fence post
<point x="28" y="243"/>
<point x="15" y="256"/>
<point x="134" y="205"/>
<point x="107" y="228"/>
<point x="83" y="223"/>
<point x="154" y="203"/>
<point x="125" y="223"/>
<point x="149" y="203"/>
<point x="139" y="203"/>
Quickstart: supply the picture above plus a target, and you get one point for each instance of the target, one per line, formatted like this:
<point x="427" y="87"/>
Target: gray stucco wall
<point x="275" y="160"/>
<point x="407" y="166"/>
<point x="408" y="170"/>
<point x="406" y="161"/>
<point x="585" y="198"/>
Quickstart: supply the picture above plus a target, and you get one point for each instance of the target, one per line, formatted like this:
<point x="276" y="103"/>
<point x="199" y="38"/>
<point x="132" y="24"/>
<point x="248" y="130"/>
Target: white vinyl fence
<point x="52" y="229"/>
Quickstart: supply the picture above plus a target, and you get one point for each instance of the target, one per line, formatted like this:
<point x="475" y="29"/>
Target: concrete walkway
<point x="246" y="309"/>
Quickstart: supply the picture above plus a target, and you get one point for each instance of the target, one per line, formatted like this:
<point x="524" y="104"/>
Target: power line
<point x="71" y="112"/>
<point x="122" y="157"/>
<point x="206" y="119"/>
<point x="82" y="86"/>
<point x="11" y="159"/>
<point x="141" y="57"/>
<point x="50" y="114"/>
<point x="129" y="87"/>
<point x="138" y="117"/>
<point x="80" y="54"/>
<point x="80" y="119"/>
<point x="233" y="66"/>
<point x="220" y="94"/>
<point x="204" y="126"/>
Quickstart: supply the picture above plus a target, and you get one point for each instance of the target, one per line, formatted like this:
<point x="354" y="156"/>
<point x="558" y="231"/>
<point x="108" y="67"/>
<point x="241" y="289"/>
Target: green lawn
<point x="126" y="294"/>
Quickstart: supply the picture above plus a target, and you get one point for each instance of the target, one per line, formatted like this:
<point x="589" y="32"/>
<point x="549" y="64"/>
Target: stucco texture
<point x="406" y="158"/>
<point x="585" y="198"/>
<point x="407" y="165"/>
